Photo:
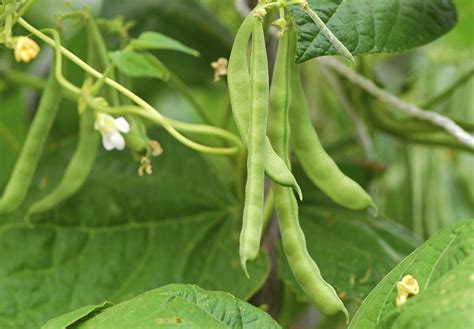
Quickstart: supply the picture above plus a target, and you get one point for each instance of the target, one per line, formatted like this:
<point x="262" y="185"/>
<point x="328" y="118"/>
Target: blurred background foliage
<point x="422" y="186"/>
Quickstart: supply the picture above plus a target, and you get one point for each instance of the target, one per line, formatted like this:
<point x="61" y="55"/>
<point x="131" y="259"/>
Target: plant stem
<point x="101" y="50"/>
<point x="76" y="60"/>
<point x="23" y="10"/>
<point x="411" y="110"/>
<point x="149" y="112"/>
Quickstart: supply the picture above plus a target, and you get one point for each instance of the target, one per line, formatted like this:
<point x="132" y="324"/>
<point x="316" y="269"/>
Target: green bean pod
<point x="320" y="293"/>
<point x="317" y="164"/>
<point x="78" y="168"/>
<point x="238" y="78"/>
<point x="254" y="190"/>
<point x="137" y="139"/>
<point x="25" y="167"/>
<point x="306" y="272"/>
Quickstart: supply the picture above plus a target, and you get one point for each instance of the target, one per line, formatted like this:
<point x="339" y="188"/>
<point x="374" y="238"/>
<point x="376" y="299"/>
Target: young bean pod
<point x="78" y="168"/>
<point x="317" y="164"/>
<point x="25" y="167"/>
<point x="136" y="139"/>
<point x="240" y="95"/>
<point x="254" y="190"/>
<point x="306" y="272"/>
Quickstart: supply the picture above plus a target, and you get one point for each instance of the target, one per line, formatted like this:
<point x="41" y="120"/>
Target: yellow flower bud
<point x="406" y="287"/>
<point x="145" y="166"/>
<point x="260" y="13"/>
<point x="26" y="49"/>
<point x="220" y="68"/>
<point x="155" y="147"/>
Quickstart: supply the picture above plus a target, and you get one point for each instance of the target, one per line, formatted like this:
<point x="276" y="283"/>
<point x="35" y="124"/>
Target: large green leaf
<point x="443" y="268"/>
<point x="370" y="27"/>
<point x="71" y="318"/>
<point x="177" y="306"/>
<point x="122" y="235"/>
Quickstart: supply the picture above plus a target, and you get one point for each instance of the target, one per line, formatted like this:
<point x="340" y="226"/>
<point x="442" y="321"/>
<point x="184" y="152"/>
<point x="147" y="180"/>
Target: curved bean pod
<point x="306" y="272"/>
<point x="25" y="167"/>
<point x="238" y="78"/>
<point x="252" y="226"/>
<point x="317" y="164"/>
<point x="320" y="293"/>
<point x="78" y="168"/>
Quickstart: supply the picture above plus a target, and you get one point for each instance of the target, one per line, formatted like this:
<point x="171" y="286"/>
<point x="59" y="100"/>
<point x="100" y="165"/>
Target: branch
<point x="409" y="109"/>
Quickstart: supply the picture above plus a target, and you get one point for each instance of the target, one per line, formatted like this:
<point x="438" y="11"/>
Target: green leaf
<point x="181" y="306"/>
<point x="139" y="65"/>
<point x="155" y="40"/>
<point x="371" y="27"/>
<point x="443" y="268"/>
<point x="69" y="319"/>
<point x="122" y="235"/>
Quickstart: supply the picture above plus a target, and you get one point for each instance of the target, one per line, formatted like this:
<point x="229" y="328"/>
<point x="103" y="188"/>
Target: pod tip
<point x="374" y="210"/>
<point x="299" y="192"/>
<point x="346" y="313"/>
<point x="243" y="264"/>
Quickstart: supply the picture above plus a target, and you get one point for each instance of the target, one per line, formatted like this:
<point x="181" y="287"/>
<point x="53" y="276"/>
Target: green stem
<point x="23" y="10"/>
<point x="58" y="66"/>
<point x="148" y="112"/>
<point x="434" y="118"/>
<point x="420" y="138"/>
<point x="76" y="60"/>
<point x="102" y="53"/>
<point x="174" y="127"/>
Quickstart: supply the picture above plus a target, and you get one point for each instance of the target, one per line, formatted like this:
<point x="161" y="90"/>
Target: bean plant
<point x="236" y="164"/>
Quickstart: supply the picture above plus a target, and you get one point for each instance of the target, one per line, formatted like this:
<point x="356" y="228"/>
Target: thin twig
<point x="409" y="109"/>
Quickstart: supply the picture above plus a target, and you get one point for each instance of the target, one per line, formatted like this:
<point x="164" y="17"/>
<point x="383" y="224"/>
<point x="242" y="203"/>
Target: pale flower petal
<point x="122" y="125"/>
<point x="111" y="129"/>
<point x="107" y="142"/>
<point x="117" y="140"/>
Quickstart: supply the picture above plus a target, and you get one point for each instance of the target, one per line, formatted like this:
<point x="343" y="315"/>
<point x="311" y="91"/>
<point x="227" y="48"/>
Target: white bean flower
<point x="112" y="129"/>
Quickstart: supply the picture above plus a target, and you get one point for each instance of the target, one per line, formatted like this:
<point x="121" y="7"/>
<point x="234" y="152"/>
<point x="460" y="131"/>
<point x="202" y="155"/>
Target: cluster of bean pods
<point x="282" y="108"/>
